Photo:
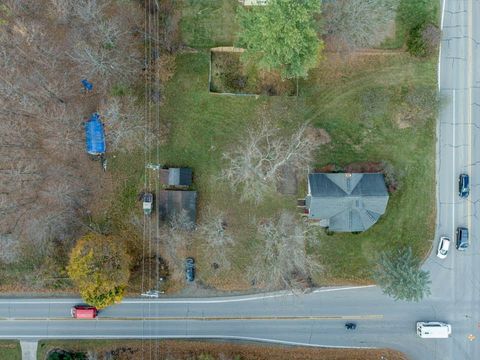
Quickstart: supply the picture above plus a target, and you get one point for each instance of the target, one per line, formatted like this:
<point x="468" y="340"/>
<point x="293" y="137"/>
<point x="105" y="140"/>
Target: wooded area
<point x="47" y="182"/>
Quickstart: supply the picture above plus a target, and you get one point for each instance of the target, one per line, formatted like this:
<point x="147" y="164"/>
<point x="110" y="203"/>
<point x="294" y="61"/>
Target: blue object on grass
<point x="87" y="85"/>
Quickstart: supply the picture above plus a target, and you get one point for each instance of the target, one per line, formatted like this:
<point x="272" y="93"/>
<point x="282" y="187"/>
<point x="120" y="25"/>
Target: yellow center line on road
<point x="211" y="318"/>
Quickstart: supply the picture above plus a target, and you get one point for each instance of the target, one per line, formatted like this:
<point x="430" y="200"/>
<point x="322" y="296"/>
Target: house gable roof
<point x="351" y="202"/>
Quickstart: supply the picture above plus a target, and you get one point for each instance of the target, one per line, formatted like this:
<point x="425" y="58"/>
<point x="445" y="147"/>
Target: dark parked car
<point x="463" y="186"/>
<point x="190" y="269"/>
<point x="462" y="238"/>
<point x="350" y="326"/>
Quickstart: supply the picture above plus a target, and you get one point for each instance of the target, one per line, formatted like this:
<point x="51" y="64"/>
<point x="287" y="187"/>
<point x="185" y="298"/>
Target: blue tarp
<point x="87" y="85"/>
<point x="95" y="136"/>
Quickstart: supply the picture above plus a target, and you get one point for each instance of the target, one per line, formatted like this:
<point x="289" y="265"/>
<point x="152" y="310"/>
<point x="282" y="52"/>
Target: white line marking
<point x="440" y="47"/>
<point x="443" y="14"/>
<point x="454" y="130"/>
<point x="341" y="289"/>
<point x="184" y="337"/>
<point x="187" y="301"/>
<point x="439" y="64"/>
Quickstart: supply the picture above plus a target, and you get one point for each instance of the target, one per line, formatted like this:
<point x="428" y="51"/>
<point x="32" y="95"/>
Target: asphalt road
<point x="315" y="319"/>
<point x="318" y="318"/>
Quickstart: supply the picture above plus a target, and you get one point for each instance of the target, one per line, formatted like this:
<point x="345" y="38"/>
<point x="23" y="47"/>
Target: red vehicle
<point x="84" y="312"/>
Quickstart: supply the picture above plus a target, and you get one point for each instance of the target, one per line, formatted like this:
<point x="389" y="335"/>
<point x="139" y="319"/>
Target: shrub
<point x="417" y="16"/>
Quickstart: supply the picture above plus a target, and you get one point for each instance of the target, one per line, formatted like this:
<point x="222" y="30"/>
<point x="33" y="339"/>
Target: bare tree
<point x="181" y="221"/>
<point x="44" y="185"/>
<point x="175" y="238"/>
<point x="282" y="260"/>
<point x="88" y="10"/>
<point x="353" y="24"/>
<point x="217" y="239"/>
<point x="124" y="123"/>
<point x="254" y="166"/>
<point x="62" y="9"/>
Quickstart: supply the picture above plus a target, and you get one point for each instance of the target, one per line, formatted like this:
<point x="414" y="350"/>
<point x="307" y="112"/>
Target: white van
<point x="433" y="330"/>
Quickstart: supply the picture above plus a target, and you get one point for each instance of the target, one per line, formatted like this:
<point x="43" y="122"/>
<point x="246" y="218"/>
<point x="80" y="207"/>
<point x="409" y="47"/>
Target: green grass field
<point x="376" y="108"/>
<point x="359" y="111"/>
<point x="357" y="104"/>
<point x="10" y="350"/>
<point x="208" y="23"/>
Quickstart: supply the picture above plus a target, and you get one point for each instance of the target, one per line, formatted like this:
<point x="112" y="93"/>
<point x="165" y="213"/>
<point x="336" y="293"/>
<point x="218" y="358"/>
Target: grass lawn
<point x="361" y="107"/>
<point x="203" y="126"/>
<point x="360" y="104"/>
<point x="10" y="350"/>
<point x="208" y="23"/>
<point x="230" y="75"/>
<point x="375" y="109"/>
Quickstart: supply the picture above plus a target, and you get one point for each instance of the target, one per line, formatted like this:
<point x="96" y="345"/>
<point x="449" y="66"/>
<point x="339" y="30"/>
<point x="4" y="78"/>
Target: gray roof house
<point x="176" y="176"/>
<point x="346" y="202"/>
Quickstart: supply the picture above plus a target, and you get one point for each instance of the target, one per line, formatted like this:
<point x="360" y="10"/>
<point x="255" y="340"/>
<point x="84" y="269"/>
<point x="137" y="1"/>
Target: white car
<point x="443" y="246"/>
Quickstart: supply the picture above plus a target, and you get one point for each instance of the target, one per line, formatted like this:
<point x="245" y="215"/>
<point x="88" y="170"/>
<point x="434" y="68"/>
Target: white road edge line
<point x="443" y="14"/>
<point x="454" y="130"/>
<point x="212" y="337"/>
<point x="439" y="64"/>
<point x="189" y="301"/>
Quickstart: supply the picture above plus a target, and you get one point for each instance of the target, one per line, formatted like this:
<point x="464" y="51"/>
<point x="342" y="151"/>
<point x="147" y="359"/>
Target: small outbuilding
<point x="346" y="202"/>
<point x="172" y="202"/>
<point x="176" y="177"/>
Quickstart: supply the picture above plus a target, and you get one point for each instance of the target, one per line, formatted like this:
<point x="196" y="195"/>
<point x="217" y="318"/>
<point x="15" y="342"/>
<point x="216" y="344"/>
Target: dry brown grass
<point x="213" y="350"/>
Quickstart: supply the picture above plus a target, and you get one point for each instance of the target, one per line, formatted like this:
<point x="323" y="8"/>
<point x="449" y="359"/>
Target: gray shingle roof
<point x="351" y="202"/>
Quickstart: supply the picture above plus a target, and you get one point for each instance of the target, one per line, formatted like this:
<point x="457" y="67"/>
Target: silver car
<point x="443" y="246"/>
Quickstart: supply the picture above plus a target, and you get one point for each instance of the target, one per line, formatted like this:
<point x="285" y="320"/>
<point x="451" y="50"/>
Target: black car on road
<point x="463" y="186"/>
<point x="462" y="238"/>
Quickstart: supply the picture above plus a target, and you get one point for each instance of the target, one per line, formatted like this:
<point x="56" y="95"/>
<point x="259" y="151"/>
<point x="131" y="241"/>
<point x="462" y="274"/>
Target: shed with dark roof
<point x="176" y="176"/>
<point x="346" y="202"/>
<point x="172" y="202"/>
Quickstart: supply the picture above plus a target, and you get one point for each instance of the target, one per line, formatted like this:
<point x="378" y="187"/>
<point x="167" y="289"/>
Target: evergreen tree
<point x="399" y="275"/>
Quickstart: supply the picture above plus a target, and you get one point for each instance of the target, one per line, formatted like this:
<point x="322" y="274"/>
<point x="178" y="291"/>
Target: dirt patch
<point x="288" y="182"/>
<point x="364" y="167"/>
<point x="213" y="350"/>
<point x="229" y="74"/>
<point x="318" y="136"/>
<point x="402" y="120"/>
<point x="338" y="67"/>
